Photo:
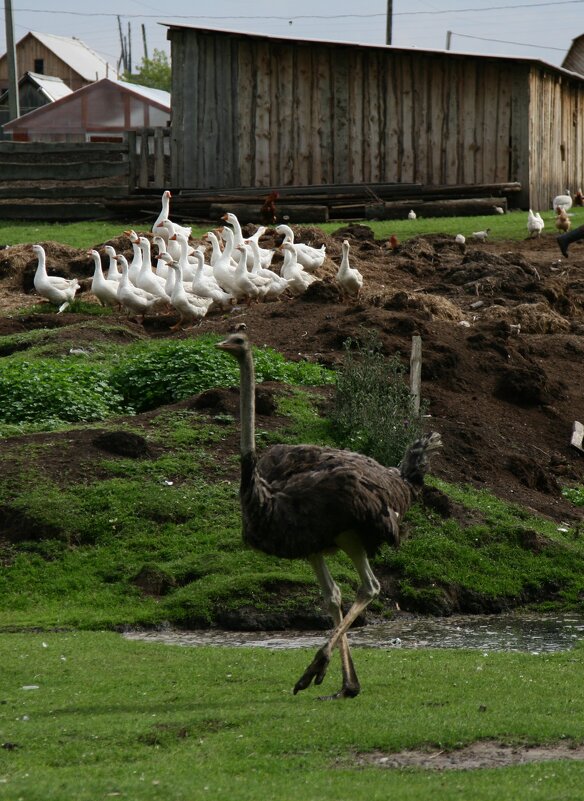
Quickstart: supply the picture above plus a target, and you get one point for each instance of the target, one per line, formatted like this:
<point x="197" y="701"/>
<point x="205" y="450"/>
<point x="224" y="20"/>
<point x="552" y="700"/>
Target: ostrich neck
<point x="247" y="406"/>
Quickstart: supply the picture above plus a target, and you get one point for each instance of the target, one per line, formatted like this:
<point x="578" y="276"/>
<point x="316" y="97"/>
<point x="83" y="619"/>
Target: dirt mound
<point x="502" y="328"/>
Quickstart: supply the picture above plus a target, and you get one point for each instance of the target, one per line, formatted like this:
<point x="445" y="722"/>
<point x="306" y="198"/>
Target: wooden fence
<point x="37" y="178"/>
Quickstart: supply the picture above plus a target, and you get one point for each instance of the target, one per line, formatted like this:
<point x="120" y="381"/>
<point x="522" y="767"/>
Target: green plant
<point x="374" y="411"/>
<point x="56" y="390"/>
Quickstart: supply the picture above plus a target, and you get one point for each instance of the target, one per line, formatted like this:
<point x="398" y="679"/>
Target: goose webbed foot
<point x="316" y="670"/>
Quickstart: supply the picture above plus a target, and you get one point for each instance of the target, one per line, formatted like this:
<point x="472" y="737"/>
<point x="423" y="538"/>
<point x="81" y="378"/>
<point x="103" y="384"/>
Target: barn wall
<point x="252" y="111"/>
<point x="557" y="140"/>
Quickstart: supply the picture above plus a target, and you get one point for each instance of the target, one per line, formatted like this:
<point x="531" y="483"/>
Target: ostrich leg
<point x="368" y="590"/>
<point x="332" y="596"/>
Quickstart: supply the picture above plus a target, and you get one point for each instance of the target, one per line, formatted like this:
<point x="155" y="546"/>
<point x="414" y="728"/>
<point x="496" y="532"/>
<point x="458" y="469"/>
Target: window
<point x="39" y="66"/>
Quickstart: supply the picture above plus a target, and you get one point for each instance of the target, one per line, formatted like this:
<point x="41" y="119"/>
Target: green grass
<point x="87" y="234"/>
<point x="115" y="718"/>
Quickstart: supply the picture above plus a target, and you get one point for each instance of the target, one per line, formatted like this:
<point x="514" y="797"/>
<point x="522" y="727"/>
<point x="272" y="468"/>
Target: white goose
<point x="250" y="285"/>
<point x="309" y="258"/>
<point x="132" y="298"/>
<point x="162" y="267"/>
<point x="205" y="286"/>
<point x="266" y="254"/>
<point x="298" y="279"/>
<point x="56" y="289"/>
<point x="190" y="307"/>
<point x="348" y="278"/>
<point x="278" y="283"/>
<point x="223" y="271"/>
<point x="136" y="264"/>
<point x="147" y="279"/>
<point x="165" y="215"/>
<point x="113" y="274"/>
<point x="104" y="289"/>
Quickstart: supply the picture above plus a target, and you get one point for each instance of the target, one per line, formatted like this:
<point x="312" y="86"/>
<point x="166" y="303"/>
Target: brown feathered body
<point x="297" y="499"/>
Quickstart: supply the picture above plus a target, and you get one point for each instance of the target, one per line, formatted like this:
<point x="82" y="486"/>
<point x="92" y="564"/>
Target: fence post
<point x="159" y="158"/>
<point x="132" y="161"/>
<point x="143" y="176"/>
<point x="416" y="371"/>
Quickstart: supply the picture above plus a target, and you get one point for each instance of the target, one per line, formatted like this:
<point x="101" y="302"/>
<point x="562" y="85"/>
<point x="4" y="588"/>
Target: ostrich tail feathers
<point x="415" y="462"/>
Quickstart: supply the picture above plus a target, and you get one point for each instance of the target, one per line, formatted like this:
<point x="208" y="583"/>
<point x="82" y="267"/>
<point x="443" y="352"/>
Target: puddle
<point x="530" y="633"/>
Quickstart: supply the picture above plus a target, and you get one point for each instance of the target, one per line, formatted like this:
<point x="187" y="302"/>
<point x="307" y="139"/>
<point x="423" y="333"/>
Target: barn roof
<point x="368" y="45"/>
<point x="49" y="86"/>
<point x="86" y="62"/>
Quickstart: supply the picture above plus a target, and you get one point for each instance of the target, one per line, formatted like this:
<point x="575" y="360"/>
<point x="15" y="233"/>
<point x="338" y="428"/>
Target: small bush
<point x="374" y="410"/>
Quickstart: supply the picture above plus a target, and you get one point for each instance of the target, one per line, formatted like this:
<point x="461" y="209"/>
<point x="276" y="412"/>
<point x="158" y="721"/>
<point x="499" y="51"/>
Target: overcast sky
<point x="541" y="30"/>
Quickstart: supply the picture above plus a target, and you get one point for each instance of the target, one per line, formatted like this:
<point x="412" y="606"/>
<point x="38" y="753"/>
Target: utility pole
<point x="13" y="102"/>
<point x="448" y="39"/>
<point x="144" y="41"/>
<point x="389" y="22"/>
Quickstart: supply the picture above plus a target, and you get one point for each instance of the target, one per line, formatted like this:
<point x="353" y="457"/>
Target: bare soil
<point x="502" y="327"/>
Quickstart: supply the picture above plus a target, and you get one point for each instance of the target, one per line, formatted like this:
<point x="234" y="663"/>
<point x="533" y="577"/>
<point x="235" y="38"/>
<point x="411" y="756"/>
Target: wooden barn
<point x="62" y="57"/>
<point x="252" y="110"/>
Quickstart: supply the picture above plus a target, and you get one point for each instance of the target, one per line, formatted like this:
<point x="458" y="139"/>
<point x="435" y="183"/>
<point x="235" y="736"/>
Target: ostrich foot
<point x="346" y="691"/>
<point x="316" y="670"/>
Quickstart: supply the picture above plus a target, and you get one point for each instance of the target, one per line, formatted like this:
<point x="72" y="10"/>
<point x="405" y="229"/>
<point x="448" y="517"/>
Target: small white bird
<point x="55" y="289"/>
<point x="481" y="235"/>
<point x="535" y="224"/>
<point x="348" y="278"/>
<point x="460" y="238"/>
<point x="412" y="214"/>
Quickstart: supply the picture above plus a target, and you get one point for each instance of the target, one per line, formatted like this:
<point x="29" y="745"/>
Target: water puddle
<point x="530" y="633"/>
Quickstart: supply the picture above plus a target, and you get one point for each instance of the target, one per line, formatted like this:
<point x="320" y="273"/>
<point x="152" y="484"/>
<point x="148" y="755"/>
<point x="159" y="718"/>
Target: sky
<point x="540" y="30"/>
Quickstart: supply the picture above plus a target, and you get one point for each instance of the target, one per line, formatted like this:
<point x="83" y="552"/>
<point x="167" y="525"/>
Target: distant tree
<point x="153" y="72"/>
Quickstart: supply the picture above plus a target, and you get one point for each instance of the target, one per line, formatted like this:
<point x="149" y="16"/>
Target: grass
<point x="116" y="718"/>
<point x="112" y="718"/>
<point x="89" y="233"/>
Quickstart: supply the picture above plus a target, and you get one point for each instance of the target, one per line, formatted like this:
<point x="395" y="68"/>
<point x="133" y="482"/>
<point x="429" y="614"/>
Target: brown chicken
<point x="268" y="210"/>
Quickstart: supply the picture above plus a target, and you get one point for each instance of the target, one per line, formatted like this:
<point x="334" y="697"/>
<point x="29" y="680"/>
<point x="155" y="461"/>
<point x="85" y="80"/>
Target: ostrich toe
<point x="316" y="670"/>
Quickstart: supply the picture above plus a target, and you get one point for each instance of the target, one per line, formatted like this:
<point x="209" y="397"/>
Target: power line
<point x="309" y="16"/>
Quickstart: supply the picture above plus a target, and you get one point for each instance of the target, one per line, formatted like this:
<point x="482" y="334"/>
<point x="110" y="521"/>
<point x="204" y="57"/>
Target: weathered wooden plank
<point x="397" y="210"/>
<point x="284" y="116"/>
<point x="303" y="109"/>
<point x="251" y="213"/>
<point x="98" y="148"/>
<point x="143" y="170"/>
<point x="159" y="173"/>
<point x="73" y="171"/>
<point x="53" y="211"/>
<point x="261" y="119"/>
<point x="340" y="81"/>
<point x="409" y="136"/>
<point x="58" y="192"/>
<point x="520" y="117"/>
<point x="392" y="139"/>
<point x="245" y="100"/>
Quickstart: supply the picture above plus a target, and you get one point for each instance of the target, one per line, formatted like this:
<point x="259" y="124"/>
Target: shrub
<point x="54" y="390"/>
<point x="374" y="410"/>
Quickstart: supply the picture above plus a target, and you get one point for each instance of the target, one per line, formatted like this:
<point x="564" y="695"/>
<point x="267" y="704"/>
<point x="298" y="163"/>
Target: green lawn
<point x="114" y="718"/>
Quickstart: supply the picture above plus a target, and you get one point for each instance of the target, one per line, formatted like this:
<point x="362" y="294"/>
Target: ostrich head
<point x="237" y="345"/>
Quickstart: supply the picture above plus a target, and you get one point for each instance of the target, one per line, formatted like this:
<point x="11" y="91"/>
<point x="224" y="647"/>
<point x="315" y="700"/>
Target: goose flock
<point x="168" y="274"/>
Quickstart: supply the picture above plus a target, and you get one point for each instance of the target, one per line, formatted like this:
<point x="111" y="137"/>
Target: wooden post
<point x="143" y="173"/>
<point x="159" y="158"/>
<point x="132" y="160"/>
<point x="416" y="371"/>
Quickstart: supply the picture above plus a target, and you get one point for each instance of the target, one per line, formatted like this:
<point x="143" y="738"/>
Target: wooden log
<point x="251" y="213"/>
<point x="435" y="208"/>
<point x="60" y="192"/>
<point x="72" y="171"/>
<point x="57" y="212"/>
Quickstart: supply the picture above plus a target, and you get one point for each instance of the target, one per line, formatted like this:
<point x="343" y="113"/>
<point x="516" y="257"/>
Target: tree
<point x="154" y="72"/>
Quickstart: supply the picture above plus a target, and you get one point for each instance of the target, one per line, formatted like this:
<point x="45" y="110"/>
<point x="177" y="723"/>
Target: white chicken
<point x="460" y="239"/>
<point x="348" y="278"/>
<point x="481" y="236"/>
<point x="412" y="215"/>
<point x="562" y="201"/>
<point x="535" y="224"/>
<point x="56" y="289"/>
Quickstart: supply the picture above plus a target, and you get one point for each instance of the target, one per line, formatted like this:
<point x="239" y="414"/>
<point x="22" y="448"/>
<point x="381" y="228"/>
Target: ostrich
<point x="305" y="501"/>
